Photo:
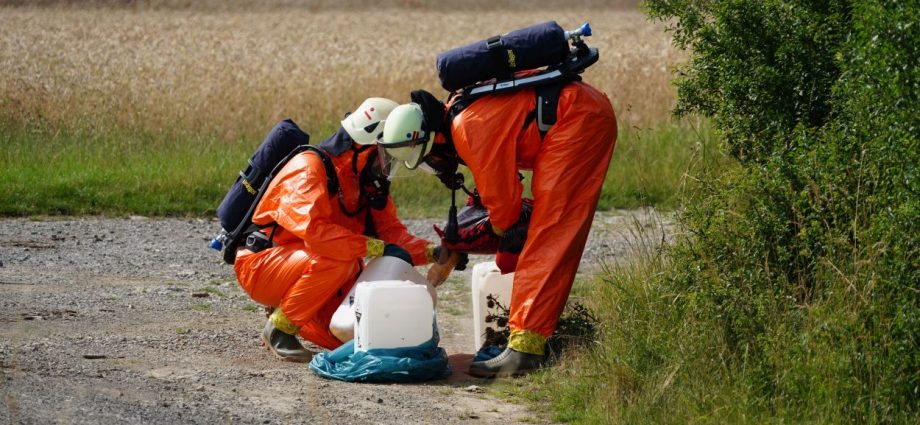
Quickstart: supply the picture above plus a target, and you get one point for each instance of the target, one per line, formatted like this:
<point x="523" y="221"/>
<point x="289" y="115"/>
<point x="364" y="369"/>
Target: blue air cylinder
<point x="500" y="56"/>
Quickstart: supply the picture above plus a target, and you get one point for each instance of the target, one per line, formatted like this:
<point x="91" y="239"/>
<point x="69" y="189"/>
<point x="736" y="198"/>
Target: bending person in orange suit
<point x="319" y="239"/>
<point x="495" y="136"/>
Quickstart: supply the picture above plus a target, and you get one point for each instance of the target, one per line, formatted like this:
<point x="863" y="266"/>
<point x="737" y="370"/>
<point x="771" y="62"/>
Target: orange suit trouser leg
<point x="306" y="287"/>
<point x="567" y="179"/>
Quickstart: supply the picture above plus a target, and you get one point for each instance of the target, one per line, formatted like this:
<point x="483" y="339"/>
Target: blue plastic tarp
<point x="424" y="362"/>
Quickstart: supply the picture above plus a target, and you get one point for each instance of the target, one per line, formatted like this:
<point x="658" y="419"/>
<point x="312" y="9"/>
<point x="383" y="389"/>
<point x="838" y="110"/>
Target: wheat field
<point x="232" y="73"/>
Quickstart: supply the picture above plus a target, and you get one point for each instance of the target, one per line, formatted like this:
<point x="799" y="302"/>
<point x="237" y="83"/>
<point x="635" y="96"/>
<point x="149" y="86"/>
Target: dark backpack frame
<point x="246" y="226"/>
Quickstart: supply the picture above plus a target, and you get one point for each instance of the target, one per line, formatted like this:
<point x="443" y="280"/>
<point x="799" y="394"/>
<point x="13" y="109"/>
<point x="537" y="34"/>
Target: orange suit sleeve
<point x="390" y="229"/>
<point x="485" y="136"/>
<point x="299" y="201"/>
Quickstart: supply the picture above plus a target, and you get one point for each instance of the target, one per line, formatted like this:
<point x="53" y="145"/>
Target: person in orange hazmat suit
<point x="317" y="240"/>
<point x="495" y="136"/>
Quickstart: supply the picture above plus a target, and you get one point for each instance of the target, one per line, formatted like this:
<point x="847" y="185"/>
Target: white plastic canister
<point x="342" y="324"/>
<point x="392" y="314"/>
<point x="488" y="279"/>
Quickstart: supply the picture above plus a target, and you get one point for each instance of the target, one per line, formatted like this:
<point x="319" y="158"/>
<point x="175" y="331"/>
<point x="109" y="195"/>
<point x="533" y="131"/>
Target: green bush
<point x="759" y="68"/>
<point x="807" y="257"/>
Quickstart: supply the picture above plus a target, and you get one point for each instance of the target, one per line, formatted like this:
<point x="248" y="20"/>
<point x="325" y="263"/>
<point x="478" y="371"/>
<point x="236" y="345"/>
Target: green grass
<point x="629" y="376"/>
<point x="251" y="308"/>
<point x="119" y="172"/>
<point x="649" y="165"/>
<point x="652" y="364"/>
<point x="663" y="358"/>
<point x="86" y="172"/>
<point x="214" y="291"/>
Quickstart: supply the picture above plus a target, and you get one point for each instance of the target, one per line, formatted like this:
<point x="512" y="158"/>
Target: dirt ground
<point x="135" y="320"/>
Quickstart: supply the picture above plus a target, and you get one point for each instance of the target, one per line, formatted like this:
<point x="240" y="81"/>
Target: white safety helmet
<point x="404" y="139"/>
<point x="365" y="124"/>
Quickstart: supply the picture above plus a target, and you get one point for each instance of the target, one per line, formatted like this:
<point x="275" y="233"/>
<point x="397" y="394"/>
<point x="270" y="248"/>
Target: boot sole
<point x="501" y="374"/>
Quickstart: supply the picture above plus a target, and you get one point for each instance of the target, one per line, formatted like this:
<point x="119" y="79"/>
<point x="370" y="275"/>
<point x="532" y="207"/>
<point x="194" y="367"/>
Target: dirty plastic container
<point x="488" y="279"/>
<point x="392" y="314"/>
<point x="342" y="324"/>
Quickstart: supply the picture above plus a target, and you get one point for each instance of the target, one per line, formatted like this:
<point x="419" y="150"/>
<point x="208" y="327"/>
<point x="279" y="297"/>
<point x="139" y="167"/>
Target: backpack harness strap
<point x="332" y="179"/>
<point x="248" y="228"/>
<point x="502" y="58"/>
<point x="547" y="104"/>
<point x="332" y="184"/>
<point x="253" y="173"/>
<point x="545" y="111"/>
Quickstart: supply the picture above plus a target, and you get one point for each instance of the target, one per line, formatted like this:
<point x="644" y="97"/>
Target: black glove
<point x="444" y="161"/>
<point x="393" y="250"/>
<point x="464" y="261"/>
<point x="461" y="264"/>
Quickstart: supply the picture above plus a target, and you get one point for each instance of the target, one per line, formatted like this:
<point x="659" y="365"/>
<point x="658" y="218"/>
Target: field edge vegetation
<point x="122" y="172"/>
<point x="791" y="294"/>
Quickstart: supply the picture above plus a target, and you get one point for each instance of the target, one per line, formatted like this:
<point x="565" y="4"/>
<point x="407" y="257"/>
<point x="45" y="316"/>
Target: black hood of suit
<point x="337" y="143"/>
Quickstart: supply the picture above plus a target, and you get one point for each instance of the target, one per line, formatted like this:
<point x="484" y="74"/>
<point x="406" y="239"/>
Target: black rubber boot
<point x="508" y="363"/>
<point x="285" y="346"/>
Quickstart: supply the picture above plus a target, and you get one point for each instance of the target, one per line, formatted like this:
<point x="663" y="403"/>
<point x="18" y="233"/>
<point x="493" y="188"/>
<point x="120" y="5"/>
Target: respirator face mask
<point x="375" y="184"/>
<point x="439" y="163"/>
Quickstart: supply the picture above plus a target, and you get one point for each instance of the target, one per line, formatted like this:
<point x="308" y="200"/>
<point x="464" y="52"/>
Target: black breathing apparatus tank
<point x="499" y="57"/>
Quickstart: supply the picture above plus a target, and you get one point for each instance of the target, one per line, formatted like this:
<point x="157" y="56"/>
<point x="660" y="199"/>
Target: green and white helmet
<point x="404" y="139"/>
<point x="365" y="124"/>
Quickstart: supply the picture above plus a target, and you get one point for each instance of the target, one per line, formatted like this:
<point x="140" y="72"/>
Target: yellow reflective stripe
<point x="526" y="341"/>
<point x="248" y="186"/>
<point x="374" y="247"/>
<point x="281" y="322"/>
<point x="497" y="230"/>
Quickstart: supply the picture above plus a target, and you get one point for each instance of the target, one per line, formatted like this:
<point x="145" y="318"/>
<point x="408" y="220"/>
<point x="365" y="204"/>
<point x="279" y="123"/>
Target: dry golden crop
<point x="236" y="72"/>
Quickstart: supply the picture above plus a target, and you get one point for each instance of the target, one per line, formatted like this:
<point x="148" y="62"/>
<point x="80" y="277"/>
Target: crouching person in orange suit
<point x="494" y="136"/>
<point x="318" y="239"/>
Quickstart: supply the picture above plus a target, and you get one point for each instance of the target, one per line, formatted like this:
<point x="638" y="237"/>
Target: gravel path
<point x="136" y="320"/>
